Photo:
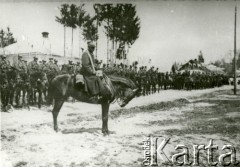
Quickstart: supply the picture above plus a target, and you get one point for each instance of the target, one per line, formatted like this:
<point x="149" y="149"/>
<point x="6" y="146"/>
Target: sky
<point x="171" y="31"/>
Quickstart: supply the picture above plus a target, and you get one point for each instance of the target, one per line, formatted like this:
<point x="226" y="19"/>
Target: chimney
<point x="46" y="43"/>
<point x="45" y="34"/>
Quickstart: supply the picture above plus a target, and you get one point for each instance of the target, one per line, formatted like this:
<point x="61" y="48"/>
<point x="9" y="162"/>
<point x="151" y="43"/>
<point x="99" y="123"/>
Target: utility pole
<point x="96" y="8"/>
<point x="97" y="37"/>
<point x="64" y="53"/>
<point x="235" y="53"/>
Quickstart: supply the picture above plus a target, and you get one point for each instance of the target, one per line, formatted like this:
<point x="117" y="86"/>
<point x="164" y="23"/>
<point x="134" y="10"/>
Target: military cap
<point x="43" y="60"/>
<point x="4" y="56"/>
<point x="90" y="44"/>
<point x="50" y="58"/>
<point x="55" y="60"/>
<point x="19" y="56"/>
<point x="35" y="57"/>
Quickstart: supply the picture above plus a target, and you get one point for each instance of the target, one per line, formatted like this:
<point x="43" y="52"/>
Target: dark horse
<point x="63" y="86"/>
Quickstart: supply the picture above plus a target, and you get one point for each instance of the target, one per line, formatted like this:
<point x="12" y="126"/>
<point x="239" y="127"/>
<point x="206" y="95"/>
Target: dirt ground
<point x="186" y="117"/>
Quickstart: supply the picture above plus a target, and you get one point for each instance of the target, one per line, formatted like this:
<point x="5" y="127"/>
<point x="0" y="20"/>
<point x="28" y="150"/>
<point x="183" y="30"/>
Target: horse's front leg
<point x="57" y="106"/>
<point x="105" y="109"/>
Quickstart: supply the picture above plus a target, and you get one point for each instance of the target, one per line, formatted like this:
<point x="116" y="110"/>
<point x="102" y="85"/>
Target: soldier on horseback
<point x="92" y="78"/>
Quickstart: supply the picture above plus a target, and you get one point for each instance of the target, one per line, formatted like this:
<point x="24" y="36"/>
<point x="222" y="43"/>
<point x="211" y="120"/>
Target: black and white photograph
<point x="119" y="83"/>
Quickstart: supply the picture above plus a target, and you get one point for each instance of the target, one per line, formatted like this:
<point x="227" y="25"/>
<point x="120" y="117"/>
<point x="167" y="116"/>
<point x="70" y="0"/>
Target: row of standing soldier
<point x="23" y="80"/>
<point x="34" y="77"/>
<point x="151" y="80"/>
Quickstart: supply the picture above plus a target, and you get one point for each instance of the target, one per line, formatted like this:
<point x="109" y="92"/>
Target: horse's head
<point x="127" y="94"/>
<point x="126" y="90"/>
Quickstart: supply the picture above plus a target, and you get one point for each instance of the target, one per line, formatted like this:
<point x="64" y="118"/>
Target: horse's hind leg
<point x="105" y="108"/>
<point x="57" y="106"/>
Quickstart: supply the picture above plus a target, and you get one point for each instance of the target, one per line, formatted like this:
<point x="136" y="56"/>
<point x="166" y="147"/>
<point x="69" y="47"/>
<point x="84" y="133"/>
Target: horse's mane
<point x="122" y="80"/>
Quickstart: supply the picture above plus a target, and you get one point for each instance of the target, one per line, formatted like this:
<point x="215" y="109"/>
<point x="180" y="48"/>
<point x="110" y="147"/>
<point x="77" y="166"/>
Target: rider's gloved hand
<point x="99" y="73"/>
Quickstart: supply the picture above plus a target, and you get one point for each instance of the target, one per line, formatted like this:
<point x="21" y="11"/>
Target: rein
<point x="111" y="88"/>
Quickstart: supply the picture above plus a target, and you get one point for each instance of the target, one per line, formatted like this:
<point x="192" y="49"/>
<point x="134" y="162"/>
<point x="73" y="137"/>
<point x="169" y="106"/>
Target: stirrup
<point x="97" y="97"/>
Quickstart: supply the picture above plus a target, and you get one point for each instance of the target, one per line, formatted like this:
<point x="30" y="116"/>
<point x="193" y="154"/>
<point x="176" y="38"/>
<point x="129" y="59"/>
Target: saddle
<point x="106" y="86"/>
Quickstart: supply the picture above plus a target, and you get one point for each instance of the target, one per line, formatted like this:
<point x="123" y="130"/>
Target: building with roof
<point x="28" y="50"/>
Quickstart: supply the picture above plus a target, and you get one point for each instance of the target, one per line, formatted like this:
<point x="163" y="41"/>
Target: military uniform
<point x="144" y="80"/>
<point x="4" y="83"/>
<point x="4" y="67"/>
<point x="21" y="68"/>
<point x="34" y="71"/>
<point x="138" y="78"/>
<point x="70" y="68"/>
<point x="56" y="67"/>
<point x="50" y="70"/>
<point x="43" y="67"/>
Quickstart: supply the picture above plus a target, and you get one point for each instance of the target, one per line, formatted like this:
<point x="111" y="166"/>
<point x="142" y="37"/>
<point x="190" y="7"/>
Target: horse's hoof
<point x="105" y="133"/>
<point x="56" y="129"/>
